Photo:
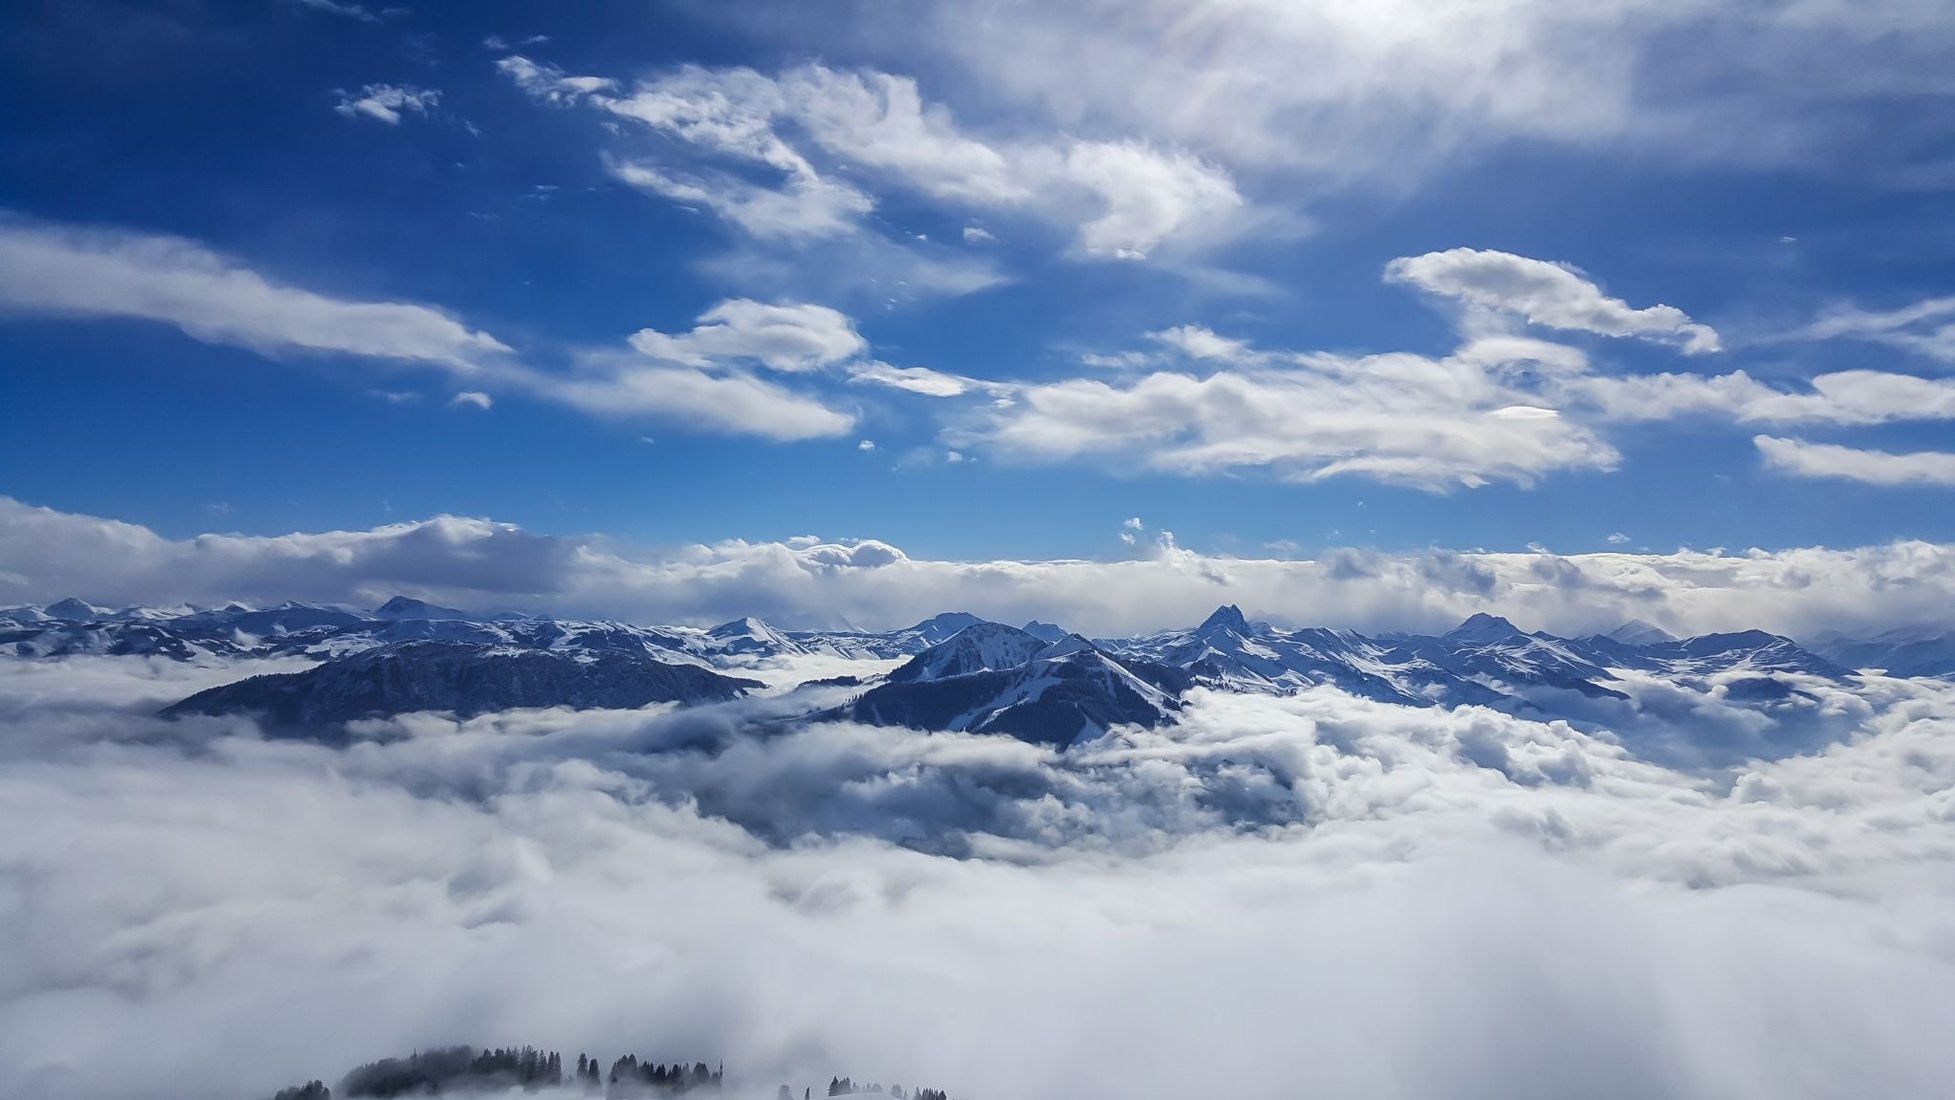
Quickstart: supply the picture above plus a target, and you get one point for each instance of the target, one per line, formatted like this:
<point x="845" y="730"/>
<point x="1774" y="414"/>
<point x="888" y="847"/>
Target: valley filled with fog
<point x="1305" y="892"/>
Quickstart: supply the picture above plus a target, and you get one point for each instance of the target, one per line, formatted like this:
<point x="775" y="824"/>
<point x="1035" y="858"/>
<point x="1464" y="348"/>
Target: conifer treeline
<point x="842" y="1086"/>
<point x="466" y="1069"/>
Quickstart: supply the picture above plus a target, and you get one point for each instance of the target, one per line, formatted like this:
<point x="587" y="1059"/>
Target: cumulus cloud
<point x="71" y="271"/>
<point x="386" y="102"/>
<point x="49" y="555"/>
<point x="1798" y="457"/>
<point x="1406" y="419"/>
<point x="1201" y="342"/>
<point x="785" y="337"/>
<point x="704" y="379"/>
<point x="609" y="880"/>
<point x="1500" y="407"/>
<point x="1544" y="293"/>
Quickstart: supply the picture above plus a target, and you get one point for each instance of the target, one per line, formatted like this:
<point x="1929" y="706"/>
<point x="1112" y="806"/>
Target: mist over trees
<point x="467" y="1070"/>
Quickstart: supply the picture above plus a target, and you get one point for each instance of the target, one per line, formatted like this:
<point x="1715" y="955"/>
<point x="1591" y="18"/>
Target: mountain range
<point x="957" y="672"/>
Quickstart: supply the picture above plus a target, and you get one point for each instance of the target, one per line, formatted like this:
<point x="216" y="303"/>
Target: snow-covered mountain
<point x="979" y="647"/>
<point x="963" y="672"/>
<point x="461" y="678"/>
<point x="991" y="678"/>
<point x="751" y="635"/>
<point x="888" y="644"/>
<point x="72" y="627"/>
<point x="1910" y="651"/>
<point x="1485" y="660"/>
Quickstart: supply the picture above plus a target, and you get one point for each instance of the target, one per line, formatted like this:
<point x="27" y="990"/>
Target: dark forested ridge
<point x="461" y="1070"/>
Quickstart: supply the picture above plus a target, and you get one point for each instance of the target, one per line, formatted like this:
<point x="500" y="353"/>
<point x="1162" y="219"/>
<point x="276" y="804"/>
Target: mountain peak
<point x="73" y="609"/>
<point x="406" y="607"/>
<point x="1636" y="632"/>
<point x="1045" y="631"/>
<point x="1482" y="627"/>
<point x="1226" y="617"/>
<point x="938" y="628"/>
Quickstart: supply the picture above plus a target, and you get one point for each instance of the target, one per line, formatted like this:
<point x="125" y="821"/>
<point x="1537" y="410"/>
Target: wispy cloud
<point x="72" y="271"/>
<point x="1798" y="457"/>
<point x="1543" y="293"/>
<point x="387" y="102"/>
<point x="342" y="8"/>
<point x="1122" y="198"/>
<point x="1926" y="327"/>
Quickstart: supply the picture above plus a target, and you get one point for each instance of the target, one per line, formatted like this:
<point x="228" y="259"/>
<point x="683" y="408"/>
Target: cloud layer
<point x="808" y="582"/>
<point x="1451" y="905"/>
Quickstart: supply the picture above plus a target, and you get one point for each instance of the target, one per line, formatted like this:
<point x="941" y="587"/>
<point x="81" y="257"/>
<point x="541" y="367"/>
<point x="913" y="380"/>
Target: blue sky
<point x="265" y="264"/>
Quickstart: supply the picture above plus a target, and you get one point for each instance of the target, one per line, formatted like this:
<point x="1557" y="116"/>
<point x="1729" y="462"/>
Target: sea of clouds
<point x="1315" y="895"/>
<point x="812" y="583"/>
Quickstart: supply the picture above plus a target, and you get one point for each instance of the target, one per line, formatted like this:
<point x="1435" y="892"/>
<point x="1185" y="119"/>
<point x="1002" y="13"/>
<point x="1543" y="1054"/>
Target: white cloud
<point x="921" y="380"/>
<point x="804" y="207"/>
<point x="1199" y="342"/>
<point x="977" y="235"/>
<point x="386" y="102"/>
<point x="68" y="271"/>
<point x="1544" y="293"/>
<point x="1432" y="423"/>
<point x="472" y="399"/>
<point x="65" y="271"/>
<point x="702" y="379"/>
<point x="1272" y="867"/>
<point x="1911" y="327"/>
<point x="499" y="43"/>
<point x="1145" y="195"/>
<point x="866" y="445"/>
<point x="731" y="402"/>
<point x="1319" y="97"/>
<point x="550" y="84"/>
<point x="359" y="12"/>
<point x="792" y="337"/>
<point x="1842" y="397"/>
<point x="880" y="121"/>
<point x="1617" y="539"/>
<point x="50" y="555"/>
<point x="1796" y="456"/>
<point x="1125" y="198"/>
